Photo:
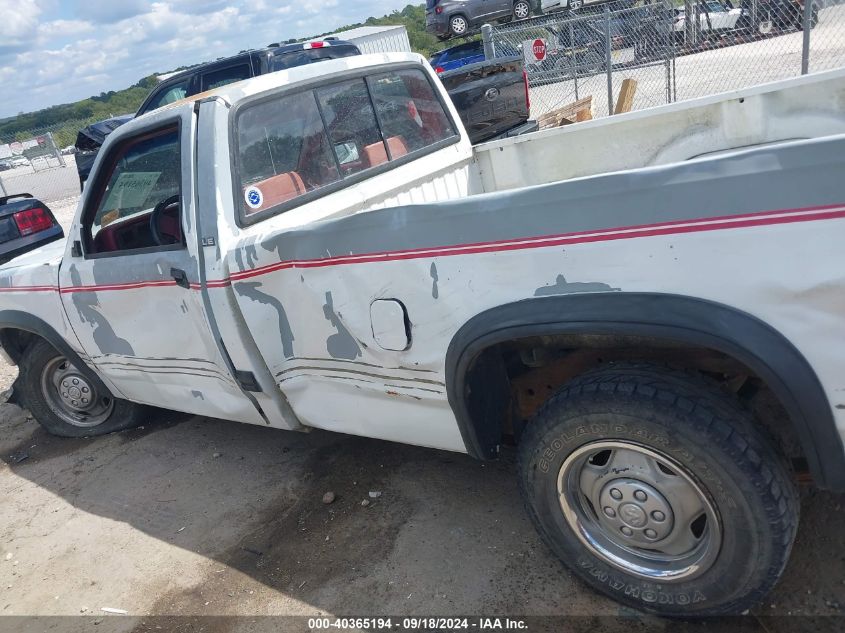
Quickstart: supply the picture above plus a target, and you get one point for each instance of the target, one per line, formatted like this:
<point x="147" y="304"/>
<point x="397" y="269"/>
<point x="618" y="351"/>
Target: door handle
<point x="180" y="277"/>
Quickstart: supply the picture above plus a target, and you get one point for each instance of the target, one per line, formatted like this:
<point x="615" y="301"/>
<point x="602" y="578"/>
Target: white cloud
<point x="20" y="22"/>
<point x="47" y="58"/>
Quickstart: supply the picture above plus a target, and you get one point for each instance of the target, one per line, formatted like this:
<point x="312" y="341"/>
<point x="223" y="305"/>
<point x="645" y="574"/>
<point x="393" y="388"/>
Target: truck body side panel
<point x="687" y="229"/>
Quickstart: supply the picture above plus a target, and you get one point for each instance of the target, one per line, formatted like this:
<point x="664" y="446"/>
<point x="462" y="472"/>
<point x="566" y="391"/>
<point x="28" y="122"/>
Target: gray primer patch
<point x="197" y="394"/>
<point x="785" y="176"/>
<point x="250" y="290"/>
<point x="563" y="287"/>
<point x="87" y="304"/>
<point x="435" y="293"/>
<point x="251" y="255"/>
<point x="342" y="344"/>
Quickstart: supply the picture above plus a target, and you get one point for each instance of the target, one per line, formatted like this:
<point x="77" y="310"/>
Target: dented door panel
<point x="683" y="229"/>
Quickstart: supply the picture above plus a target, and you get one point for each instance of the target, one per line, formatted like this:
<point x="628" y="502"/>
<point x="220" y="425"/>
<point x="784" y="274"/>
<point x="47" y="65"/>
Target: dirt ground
<point x="200" y="517"/>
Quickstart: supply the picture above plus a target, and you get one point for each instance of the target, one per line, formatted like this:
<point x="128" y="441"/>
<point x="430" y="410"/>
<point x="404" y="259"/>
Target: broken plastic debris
<point x="375" y="494"/>
<point x="113" y="610"/>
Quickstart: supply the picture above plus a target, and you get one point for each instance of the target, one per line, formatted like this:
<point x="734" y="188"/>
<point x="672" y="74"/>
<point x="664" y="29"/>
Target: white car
<point x="19" y="161"/>
<point x="714" y="16"/>
<point x="654" y="320"/>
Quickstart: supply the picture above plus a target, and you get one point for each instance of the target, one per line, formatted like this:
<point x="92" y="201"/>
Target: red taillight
<point x="527" y="96"/>
<point x="32" y="221"/>
<point x="439" y="69"/>
<point x="310" y="45"/>
<point x="438" y="10"/>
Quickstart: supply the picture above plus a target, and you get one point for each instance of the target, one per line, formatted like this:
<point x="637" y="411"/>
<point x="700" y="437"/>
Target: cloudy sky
<point x="59" y="51"/>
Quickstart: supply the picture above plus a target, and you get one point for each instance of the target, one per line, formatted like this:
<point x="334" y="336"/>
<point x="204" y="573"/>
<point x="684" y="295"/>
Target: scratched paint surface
<point x="292" y="294"/>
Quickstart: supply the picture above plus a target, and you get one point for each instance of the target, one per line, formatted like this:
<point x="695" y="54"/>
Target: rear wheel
<point x="657" y="489"/>
<point x="521" y="10"/>
<point x="458" y="25"/>
<point x="65" y="401"/>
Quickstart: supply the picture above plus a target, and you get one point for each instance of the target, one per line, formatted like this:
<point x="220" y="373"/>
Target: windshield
<point x="283" y="61"/>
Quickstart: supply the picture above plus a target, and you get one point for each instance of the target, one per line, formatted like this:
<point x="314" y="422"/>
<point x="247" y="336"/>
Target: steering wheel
<point x="165" y="228"/>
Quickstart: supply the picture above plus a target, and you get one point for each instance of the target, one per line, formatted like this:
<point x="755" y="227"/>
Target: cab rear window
<point x="291" y="59"/>
<point x="291" y="145"/>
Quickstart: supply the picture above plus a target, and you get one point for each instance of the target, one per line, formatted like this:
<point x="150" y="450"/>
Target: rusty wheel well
<point x="530" y="370"/>
<point x="503" y="362"/>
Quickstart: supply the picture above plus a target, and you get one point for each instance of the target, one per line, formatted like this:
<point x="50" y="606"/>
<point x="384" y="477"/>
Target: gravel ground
<point x="200" y="517"/>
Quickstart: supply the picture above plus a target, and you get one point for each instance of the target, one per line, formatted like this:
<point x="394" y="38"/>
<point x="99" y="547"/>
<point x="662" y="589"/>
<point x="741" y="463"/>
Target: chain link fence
<point x="42" y="162"/>
<point x="667" y="50"/>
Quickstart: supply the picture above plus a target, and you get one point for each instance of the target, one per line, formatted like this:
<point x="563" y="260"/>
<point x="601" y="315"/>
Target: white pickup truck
<point x="649" y="306"/>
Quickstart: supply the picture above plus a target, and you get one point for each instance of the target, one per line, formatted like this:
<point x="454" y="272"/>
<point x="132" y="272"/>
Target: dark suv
<point x="456" y="18"/>
<point x="207" y="77"/>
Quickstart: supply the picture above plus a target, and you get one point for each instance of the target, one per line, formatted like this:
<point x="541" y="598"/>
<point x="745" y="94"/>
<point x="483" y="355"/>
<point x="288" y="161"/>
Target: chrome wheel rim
<point x="521" y="10"/>
<point x="71" y="396"/>
<point x="459" y="25"/>
<point x="639" y="510"/>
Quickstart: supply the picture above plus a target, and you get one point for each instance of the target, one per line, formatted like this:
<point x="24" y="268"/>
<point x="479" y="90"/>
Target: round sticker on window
<point x="253" y="197"/>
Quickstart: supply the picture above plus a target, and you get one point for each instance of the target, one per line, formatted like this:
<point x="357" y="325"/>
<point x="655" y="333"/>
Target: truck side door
<point x="129" y="282"/>
<point x="341" y="145"/>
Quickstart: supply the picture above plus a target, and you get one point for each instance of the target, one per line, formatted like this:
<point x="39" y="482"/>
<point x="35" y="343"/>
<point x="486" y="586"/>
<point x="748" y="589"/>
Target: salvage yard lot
<point x="197" y="517"/>
<point x="710" y="72"/>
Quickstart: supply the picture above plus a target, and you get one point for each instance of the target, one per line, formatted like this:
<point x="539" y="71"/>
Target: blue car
<point x="457" y="56"/>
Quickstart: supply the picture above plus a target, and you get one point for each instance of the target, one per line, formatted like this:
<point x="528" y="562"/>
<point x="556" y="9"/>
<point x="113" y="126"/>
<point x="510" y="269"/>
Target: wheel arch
<point x="677" y="318"/>
<point x="14" y="323"/>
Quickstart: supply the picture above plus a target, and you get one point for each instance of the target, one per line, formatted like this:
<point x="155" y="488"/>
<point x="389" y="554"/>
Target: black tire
<point x="454" y="22"/>
<point x="116" y="415"/>
<point x="715" y="442"/>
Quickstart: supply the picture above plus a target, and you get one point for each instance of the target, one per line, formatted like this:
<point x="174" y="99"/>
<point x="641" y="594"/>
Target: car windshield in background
<point x="283" y="61"/>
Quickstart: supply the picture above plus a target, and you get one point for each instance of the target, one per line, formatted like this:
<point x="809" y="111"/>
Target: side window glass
<point x="139" y="207"/>
<point x="352" y="127"/>
<point x="410" y="113"/>
<point x="170" y="95"/>
<point x="283" y="152"/>
<point x="225" y="76"/>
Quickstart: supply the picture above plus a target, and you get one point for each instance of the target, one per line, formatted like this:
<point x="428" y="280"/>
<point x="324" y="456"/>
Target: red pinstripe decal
<point x="30" y="289"/>
<point x="648" y="230"/>
<point x="763" y="218"/>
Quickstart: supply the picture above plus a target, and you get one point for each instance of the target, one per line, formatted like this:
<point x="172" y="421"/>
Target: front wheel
<point x="656" y="488"/>
<point x="521" y="10"/>
<point x="65" y="401"/>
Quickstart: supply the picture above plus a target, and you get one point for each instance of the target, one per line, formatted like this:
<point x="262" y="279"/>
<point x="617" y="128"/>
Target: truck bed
<point x="801" y="108"/>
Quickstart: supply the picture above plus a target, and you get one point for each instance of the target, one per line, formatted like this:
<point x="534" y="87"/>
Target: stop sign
<point x="539" y="50"/>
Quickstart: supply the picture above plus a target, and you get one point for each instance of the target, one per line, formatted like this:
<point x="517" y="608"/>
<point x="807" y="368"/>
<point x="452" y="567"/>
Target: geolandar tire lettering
<point x="659" y="490"/>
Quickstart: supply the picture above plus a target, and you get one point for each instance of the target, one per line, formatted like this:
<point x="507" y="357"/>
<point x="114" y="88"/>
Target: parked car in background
<point x="456" y="18"/>
<point x="713" y="17"/>
<point x="88" y="142"/>
<point x="491" y="97"/>
<point x="19" y="161"/>
<point x="207" y="77"/>
<point x="25" y="224"/>
<point x="457" y="56"/>
<point x="5" y="165"/>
